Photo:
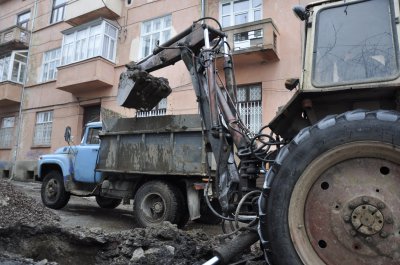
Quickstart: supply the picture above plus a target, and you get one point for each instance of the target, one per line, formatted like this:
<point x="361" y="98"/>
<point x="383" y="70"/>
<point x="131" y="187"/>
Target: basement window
<point x="96" y="38"/>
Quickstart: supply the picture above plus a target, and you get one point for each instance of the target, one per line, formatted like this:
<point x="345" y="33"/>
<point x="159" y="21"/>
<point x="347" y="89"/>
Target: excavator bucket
<point x="139" y="90"/>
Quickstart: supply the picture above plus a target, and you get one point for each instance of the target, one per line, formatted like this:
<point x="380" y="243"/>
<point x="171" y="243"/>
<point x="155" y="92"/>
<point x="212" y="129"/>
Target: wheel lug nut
<point x="353" y="232"/>
<point x="368" y="239"/>
<point x="389" y="220"/>
<point x="381" y="205"/>
<point x="383" y="234"/>
<point x="346" y="218"/>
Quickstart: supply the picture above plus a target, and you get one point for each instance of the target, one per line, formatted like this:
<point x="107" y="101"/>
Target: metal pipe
<point x="21" y="104"/>
<point x="213" y="261"/>
<point x="203" y="10"/>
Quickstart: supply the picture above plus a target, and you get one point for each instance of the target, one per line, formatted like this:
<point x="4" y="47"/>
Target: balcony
<point x="14" y="38"/>
<point x="10" y="93"/>
<point x="86" y="76"/>
<point x="82" y="11"/>
<point x="254" y="42"/>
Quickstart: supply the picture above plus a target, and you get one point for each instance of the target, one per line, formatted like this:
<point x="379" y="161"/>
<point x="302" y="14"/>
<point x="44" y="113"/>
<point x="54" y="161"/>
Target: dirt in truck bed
<point x="33" y="234"/>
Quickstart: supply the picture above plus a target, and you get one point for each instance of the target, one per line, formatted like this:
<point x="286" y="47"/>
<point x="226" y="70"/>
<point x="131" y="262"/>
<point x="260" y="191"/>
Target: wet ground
<point x="84" y="212"/>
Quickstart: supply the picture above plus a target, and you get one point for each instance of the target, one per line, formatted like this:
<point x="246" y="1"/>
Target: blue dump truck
<point x="161" y="163"/>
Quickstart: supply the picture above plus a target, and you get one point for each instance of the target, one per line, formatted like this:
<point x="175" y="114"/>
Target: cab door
<point x="86" y="157"/>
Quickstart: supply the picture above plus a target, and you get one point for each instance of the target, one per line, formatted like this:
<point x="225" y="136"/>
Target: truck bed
<point x="162" y="145"/>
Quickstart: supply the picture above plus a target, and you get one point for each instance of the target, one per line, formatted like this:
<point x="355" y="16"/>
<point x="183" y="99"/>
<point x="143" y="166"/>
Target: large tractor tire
<point x="107" y="203"/>
<point x="335" y="193"/>
<point x="158" y="201"/>
<point x="53" y="192"/>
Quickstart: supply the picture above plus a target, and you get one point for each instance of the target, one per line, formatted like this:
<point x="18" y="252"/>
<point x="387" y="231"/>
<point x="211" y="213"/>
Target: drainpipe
<point x="19" y="127"/>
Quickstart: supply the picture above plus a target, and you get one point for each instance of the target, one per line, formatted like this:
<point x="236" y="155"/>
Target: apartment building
<point x="60" y="63"/>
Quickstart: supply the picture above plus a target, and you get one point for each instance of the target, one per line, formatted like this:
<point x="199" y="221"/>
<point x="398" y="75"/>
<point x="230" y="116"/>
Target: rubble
<point x="32" y="234"/>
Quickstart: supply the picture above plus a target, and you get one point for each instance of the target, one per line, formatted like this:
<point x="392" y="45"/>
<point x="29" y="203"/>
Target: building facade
<point x="60" y="63"/>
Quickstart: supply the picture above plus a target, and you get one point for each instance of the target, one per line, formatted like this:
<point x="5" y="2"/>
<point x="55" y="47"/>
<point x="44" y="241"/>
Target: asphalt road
<point x="84" y="212"/>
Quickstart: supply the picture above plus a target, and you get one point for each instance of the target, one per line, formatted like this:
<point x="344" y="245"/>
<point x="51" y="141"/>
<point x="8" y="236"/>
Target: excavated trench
<point x="32" y="234"/>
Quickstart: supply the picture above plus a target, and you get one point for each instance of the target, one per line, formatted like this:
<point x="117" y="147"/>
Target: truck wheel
<point x="107" y="203"/>
<point x="156" y="202"/>
<point x="335" y="193"/>
<point x="53" y="192"/>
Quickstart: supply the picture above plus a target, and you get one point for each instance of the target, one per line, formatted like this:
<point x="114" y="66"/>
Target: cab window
<point x="93" y="136"/>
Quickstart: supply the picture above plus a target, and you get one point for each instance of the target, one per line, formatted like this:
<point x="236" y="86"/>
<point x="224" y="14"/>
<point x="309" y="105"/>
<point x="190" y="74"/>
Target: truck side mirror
<point x="67" y="134"/>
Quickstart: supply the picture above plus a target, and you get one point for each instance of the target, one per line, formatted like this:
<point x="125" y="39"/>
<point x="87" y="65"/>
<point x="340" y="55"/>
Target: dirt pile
<point x="18" y="209"/>
<point x="31" y="234"/>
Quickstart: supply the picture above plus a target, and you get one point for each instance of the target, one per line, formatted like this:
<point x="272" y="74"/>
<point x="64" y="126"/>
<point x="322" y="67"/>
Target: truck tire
<point x="107" y="203"/>
<point x="335" y="193"/>
<point x="53" y="192"/>
<point x="158" y="201"/>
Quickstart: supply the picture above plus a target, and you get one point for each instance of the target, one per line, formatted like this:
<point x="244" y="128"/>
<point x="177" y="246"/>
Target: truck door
<point x="86" y="157"/>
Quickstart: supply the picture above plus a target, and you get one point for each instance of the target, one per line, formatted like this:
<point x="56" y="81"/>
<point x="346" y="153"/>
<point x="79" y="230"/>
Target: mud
<point x="32" y="234"/>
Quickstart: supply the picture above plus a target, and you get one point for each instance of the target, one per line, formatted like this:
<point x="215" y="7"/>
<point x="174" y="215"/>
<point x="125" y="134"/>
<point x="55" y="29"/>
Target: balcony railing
<point x="14" y="38"/>
<point x="258" y="38"/>
<point x="82" y="11"/>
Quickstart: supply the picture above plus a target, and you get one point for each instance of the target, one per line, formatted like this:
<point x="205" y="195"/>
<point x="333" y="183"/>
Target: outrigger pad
<point x="139" y="90"/>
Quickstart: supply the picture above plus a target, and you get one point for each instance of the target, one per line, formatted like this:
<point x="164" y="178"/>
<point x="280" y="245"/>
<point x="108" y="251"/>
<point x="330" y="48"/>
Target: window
<point x="93" y="136"/>
<point x="51" y="59"/>
<point x="250" y="108"/>
<point x="6" y="132"/>
<point x="57" y="14"/>
<point x="344" y="52"/>
<point x="43" y="128"/>
<point x="159" y="110"/>
<point x="23" y="19"/>
<point x="240" y="11"/>
<point x="13" y="66"/>
<point x="98" y="38"/>
<point x="152" y="31"/>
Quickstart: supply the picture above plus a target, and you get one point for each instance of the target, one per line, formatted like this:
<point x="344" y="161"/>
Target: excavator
<point x="330" y="157"/>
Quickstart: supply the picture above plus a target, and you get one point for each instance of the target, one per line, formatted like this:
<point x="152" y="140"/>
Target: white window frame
<point x="161" y="31"/>
<point x="57" y="11"/>
<point x="6" y="73"/>
<point x="250" y="109"/>
<point x="43" y="128"/>
<point x="77" y="42"/>
<point x="51" y="60"/>
<point x="232" y="14"/>
<point x="6" y="132"/>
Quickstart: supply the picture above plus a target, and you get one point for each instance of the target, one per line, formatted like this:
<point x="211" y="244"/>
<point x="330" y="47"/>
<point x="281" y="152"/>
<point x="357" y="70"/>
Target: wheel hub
<point x="367" y="219"/>
<point x="157" y="207"/>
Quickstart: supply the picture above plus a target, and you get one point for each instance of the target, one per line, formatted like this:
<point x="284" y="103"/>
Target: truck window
<point x="93" y="136"/>
<point x="355" y="43"/>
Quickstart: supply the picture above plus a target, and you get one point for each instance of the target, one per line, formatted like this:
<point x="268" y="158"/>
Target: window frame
<point x="21" y="23"/>
<point x="56" y="61"/>
<point x="11" y="62"/>
<point x="232" y="13"/>
<point x="142" y="53"/>
<point x="43" y="122"/>
<point x="6" y="142"/>
<point x="75" y="41"/>
<point x="248" y="101"/>
<point x="56" y="8"/>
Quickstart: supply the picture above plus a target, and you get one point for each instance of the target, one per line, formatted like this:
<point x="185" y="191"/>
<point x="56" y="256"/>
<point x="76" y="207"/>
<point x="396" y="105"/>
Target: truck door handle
<point x="95" y="150"/>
